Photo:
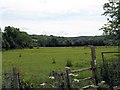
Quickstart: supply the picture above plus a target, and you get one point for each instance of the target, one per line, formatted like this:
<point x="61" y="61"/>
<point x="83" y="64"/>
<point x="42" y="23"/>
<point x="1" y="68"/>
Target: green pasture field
<point x="35" y="64"/>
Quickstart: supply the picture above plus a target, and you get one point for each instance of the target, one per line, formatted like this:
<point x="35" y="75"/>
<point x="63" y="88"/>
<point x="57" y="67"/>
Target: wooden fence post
<point x="68" y="79"/>
<point x="15" y="78"/>
<point x="0" y="81"/>
<point x="7" y="80"/>
<point x="93" y="64"/>
<point x="58" y="79"/>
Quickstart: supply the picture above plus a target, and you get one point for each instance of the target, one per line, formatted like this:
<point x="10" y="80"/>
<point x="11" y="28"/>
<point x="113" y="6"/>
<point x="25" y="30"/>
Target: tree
<point x="13" y="38"/>
<point x="42" y="40"/>
<point x="112" y="11"/>
<point x="53" y="42"/>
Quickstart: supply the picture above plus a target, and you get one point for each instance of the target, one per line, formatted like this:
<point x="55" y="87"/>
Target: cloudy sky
<point x="54" y="17"/>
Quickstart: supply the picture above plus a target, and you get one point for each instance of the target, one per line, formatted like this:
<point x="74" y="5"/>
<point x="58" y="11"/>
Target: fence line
<point x="102" y="53"/>
<point x="89" y="78"/>
<point x="92" y="68"/>
<point x="81" y="70"/>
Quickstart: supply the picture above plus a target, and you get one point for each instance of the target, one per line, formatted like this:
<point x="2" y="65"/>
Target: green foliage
<point x="54" y="41"/>
<point x="112" y="28"/>
<point x="53" y="61"/>
<point x="110" y="72"/>
<point x="14" y="38"/>
<point x="69" y="63"/>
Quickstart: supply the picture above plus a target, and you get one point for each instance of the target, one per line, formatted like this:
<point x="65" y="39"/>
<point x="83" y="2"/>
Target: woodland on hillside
<point x="13" y="38"/>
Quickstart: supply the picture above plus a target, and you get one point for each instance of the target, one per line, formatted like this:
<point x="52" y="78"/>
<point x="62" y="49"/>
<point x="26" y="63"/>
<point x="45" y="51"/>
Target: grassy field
<point x="36" y="64"/>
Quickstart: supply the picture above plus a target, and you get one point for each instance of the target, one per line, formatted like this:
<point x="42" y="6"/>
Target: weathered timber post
<point x="7" y="80"/>
<point x="68" y="78"/>
<point x="93" y="64"/>
<point x="63" y="80"/>
<point x="58" y="79"/>
<point x="15" y="78"/>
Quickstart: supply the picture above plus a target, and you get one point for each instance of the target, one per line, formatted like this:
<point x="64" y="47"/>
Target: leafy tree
<point x="42" y="40"/>
<point x="112" y="11"/>
<point x="14" y="38"/>
<point x="53" y="42"/>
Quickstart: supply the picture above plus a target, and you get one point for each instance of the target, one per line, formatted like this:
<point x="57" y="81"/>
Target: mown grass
<point x="35" y="64"/>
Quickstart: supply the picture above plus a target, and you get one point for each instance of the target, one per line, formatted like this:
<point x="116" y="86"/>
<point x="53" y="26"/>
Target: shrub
<point x="110" y="72"/>
<point x="53" y="61"/>
<point x="69" y="63"/>
<point x="30" y="47"/>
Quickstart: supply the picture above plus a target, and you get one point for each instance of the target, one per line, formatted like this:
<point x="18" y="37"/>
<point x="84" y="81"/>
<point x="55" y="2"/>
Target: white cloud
<point x="52" y="6"/>
<point x="57" y="17"/>
<point x="60" y="28"/>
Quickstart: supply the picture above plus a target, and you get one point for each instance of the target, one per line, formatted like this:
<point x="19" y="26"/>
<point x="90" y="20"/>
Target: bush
<point x="110" y="72"/>
<point x="30" y="47"/>
<point x="69" y="63"/>
<point x="53" y="61"/>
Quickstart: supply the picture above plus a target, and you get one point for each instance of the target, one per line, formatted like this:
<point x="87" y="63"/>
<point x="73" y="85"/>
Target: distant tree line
<point x="13" y="38"/>
<point x="53" y="41"/>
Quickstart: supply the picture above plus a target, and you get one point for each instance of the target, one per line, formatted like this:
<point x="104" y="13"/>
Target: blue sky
<point x="54" y="17"/>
